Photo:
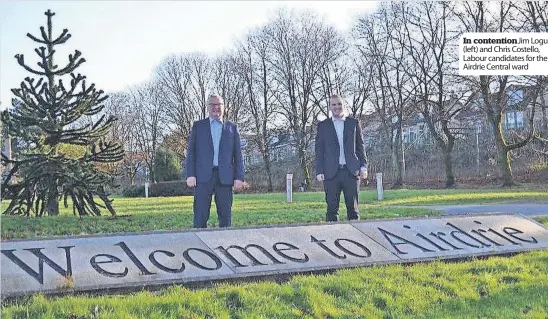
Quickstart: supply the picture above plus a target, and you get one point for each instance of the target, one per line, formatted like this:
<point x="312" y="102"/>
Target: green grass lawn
<point x="496" y="287"/>
<point x="174" y="213"/>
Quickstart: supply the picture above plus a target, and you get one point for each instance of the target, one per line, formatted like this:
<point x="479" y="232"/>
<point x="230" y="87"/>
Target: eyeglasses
<point x="216" y="104"/>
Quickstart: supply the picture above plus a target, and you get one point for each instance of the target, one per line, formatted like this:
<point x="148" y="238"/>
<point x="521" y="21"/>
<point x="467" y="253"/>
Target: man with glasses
<point x="214" y="164"/>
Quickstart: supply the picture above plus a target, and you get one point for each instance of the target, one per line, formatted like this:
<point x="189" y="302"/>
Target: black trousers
<point x="349" y="184"/>
<point x="202" y="202"/>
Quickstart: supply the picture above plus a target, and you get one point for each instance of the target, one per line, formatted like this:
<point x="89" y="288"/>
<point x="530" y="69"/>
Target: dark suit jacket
<point x="327" y="148"/>
<point x="199" y="160"/>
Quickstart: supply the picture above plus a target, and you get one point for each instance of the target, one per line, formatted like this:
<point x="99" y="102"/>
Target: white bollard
<point x="146" y="189"/>
<point x="289" y="188"/>
<point x="379" y="186"/>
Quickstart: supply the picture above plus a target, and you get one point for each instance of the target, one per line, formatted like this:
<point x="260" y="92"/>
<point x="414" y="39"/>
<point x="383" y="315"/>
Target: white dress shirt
<point x="339" y="128"/>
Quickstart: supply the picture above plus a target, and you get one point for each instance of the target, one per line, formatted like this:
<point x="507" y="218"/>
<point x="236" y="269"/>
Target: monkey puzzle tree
<point x="61" y="137"/>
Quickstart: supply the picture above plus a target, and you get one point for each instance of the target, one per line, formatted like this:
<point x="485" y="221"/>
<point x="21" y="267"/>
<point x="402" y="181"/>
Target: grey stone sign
<point x="90" y="263"/>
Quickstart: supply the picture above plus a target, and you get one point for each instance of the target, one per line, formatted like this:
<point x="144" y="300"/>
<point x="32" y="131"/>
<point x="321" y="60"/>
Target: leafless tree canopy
<point x="396" y="69"/>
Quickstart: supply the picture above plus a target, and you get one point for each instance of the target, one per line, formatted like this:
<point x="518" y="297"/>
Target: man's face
<point x="216" y="108"/>
<point x="336" y="106"/>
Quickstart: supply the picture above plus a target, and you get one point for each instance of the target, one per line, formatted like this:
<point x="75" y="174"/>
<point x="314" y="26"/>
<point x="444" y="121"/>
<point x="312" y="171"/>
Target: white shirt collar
<point x="342" y="119"/>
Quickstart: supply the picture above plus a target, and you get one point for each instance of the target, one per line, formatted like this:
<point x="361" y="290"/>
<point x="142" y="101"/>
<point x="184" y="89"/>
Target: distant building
<point x="281" y="147"/>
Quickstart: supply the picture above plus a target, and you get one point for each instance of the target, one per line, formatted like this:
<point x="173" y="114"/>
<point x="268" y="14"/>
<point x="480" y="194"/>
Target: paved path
<point x="531" y="210"/>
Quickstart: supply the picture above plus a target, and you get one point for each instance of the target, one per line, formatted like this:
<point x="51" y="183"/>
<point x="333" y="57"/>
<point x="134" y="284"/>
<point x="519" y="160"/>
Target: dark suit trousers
<point x="202" y="202"/>
<point x="347" y="183"/>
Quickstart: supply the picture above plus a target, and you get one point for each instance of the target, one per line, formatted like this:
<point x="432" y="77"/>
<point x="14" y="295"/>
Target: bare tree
<point x="359" y="89"/>
<point x="429" y="42"/>
<point x="150" y="108"/>
<point x="349" y="76"/>
<point x="534" y="15"/>
<point x="174" y="78"/>
<point x="200" y="81"/>
<point x="379" y="38"/>
<point x="252" y="65"/>
<point x="228" y="83"/>
<point x="302" y="46"/>
<point x="125" y="132"/>
<point x="498" y="17"/>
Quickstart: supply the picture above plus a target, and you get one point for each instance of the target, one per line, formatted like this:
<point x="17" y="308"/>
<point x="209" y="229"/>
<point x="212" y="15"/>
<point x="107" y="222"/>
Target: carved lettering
<point x="482" y="231"/>
<point x="39" y="275"/>
<point x="348" y="251"/>
<point x="245" y="251"/>
<point x="431" y="242"/>
<point x="502" y="236"/>
<point x="402" y="241"/>
<point x="155" y="259"/>
<point x="426" y="239"/>
<point x="517" y="231"/>
<point x="111" y="259"/>
<point x="194" y="263"/>
<point x="134" y="259"/>
<point x="156" y="263"/>
<point x="321" y="244"/>
<point x="288" y="247"/>
<point x="438" y="236"/>
<point x="462" y="232"/>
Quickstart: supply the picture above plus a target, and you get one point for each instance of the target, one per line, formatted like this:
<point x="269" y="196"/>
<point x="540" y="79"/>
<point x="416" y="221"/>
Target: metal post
<point x="289" y="188"/>
<point x="146" y="181"/>
<point x="478" y="129"/>
<point x="379" y="186"/>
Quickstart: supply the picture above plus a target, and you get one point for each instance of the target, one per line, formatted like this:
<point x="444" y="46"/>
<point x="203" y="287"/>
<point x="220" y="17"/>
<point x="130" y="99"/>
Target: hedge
<point x="161" y="189"/>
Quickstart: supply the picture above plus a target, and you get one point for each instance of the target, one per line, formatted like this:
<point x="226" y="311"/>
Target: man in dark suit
<point x="214" y="164"/>
<point x="340" y="160"/>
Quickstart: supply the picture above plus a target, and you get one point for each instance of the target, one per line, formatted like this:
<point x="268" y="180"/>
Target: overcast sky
<point x="123" y="41"/>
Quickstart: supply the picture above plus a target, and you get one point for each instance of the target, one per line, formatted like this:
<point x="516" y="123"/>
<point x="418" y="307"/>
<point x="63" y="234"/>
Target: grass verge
<point x="175" y="213"/>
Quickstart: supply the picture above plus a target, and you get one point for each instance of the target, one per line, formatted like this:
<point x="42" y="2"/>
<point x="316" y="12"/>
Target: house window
<point x="510" y="120"/>
<point x="519" y="120"/>
<point x="405" y="136"/>
<point x="514" y="120"/>
<point x="515" y="97"/>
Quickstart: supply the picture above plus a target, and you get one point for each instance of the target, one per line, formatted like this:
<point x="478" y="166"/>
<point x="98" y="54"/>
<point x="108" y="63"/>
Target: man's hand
<point x="238" y="185"/>
<point x="363" y="173"/>
<point x="191" y="181"/>
<point x="320" y="177"/>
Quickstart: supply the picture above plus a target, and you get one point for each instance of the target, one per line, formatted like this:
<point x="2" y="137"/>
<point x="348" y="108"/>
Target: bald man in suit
<point x="340" y="160"/>
<point x="214" y="164"/>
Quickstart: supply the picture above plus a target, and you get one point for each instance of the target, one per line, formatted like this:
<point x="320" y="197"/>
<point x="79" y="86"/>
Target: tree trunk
<point x="265" y="148"/>
<point x="52" y="204"/>
<point x="544" y="118"/>
<point x="397" y="160"/>
<point x="503" y="157"/>
<point x="304" y="166"/>
<point x="52" y="194"/>
<point x="268" y="171"/>
<point x="152" y="175"/>
<point x="448" y="161"/>
<point x="396" y="163"/>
